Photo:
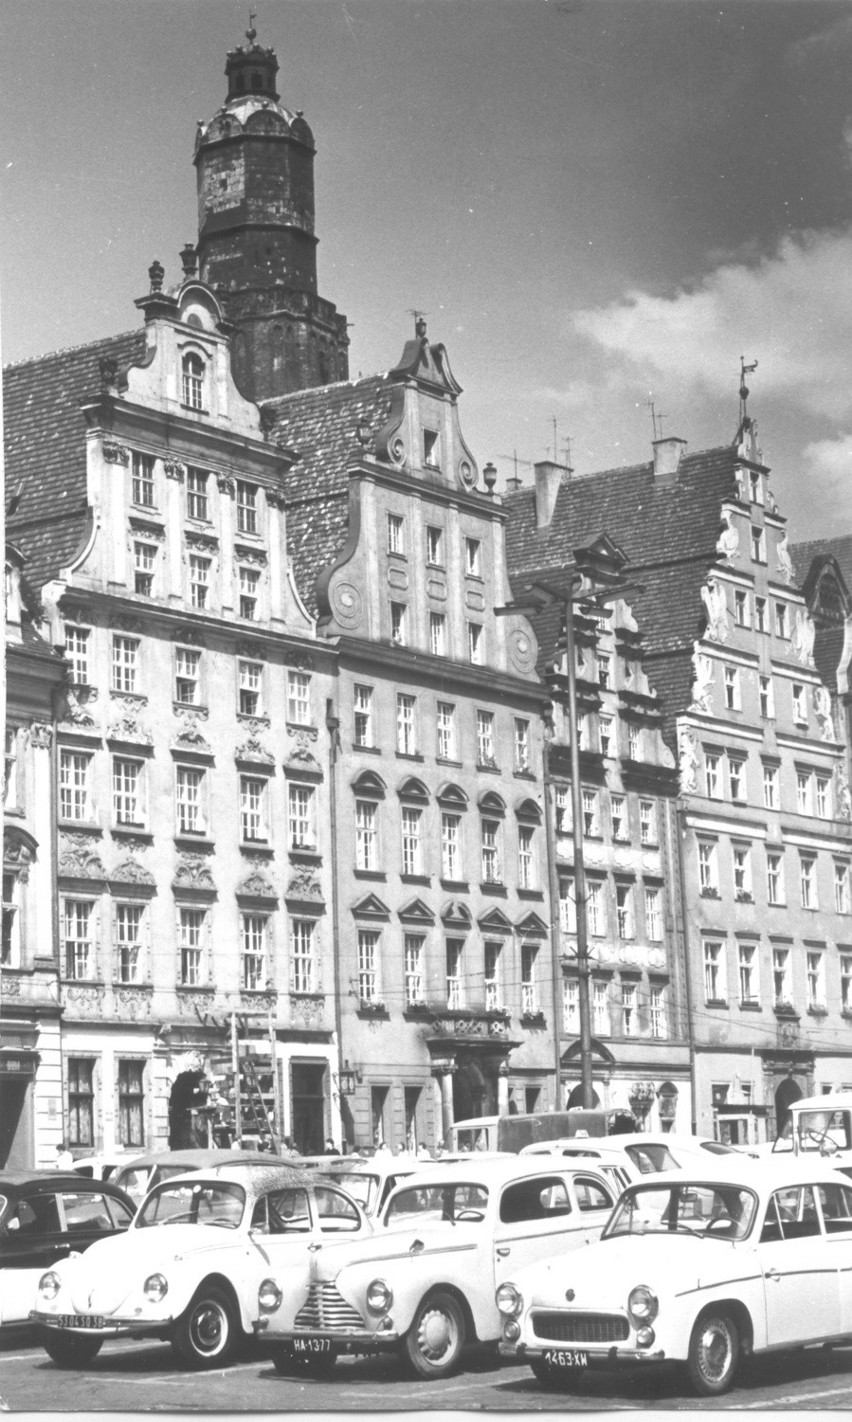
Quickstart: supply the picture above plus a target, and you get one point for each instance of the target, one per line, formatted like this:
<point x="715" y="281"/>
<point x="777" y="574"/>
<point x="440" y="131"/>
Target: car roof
<point x="39" y="1181"/>
<point x="272" y="1174"/>
<point x="832" y="1101"/>
<point x="494" y="1170"/>
<point x="196" y="1159"/>
<point x="765" y="1174"/>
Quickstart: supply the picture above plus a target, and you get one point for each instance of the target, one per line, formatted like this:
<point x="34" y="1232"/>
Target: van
<point x="512" y="1133"/>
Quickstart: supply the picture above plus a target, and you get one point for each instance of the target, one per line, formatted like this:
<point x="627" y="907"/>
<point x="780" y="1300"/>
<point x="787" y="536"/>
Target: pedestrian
<point x="330" y="1147"/>
<point x="64" y="1158"/>
<point x="423" y="1152"/>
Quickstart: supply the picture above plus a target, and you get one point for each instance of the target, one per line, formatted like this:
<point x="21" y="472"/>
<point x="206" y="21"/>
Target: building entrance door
<point x="307" y="1084"/>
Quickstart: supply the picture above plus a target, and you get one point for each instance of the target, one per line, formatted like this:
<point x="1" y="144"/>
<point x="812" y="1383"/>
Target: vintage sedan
<point x="423" y="1285"/>
<point x="696" y="1266"/>
<point x="201" y="1250"/>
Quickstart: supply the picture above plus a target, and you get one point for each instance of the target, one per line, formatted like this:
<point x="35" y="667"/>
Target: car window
<point x="718" y="1211"/>
<point x="360" y="1185"/>
<point x="591" y="1195"/>
<point x="85" y="1211"/>
<point x="836" y="1202"/>
<point x="335" y="1212"/>
<point x="439" y="1203"/>
<point x="791" y="1214"/>
<point x="651" y="1158"/>
<point x="204" y="1203"/>
<point x="88" y="1171"/>
<point x="134" y="1180"/>
<point x="539" y="1199"/>
<point x="122" y="1215"/>
<point x="37" y="1215"/>
<point x="287" y="1211"/>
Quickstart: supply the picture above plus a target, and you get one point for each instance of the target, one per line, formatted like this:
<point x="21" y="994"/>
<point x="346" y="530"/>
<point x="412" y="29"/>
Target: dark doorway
<point x="187" y="1130"/>
<point x="575" y="1097"/>
<point x="307" y="1084"/>
<point x="788" y="1092"/>
<point x="16" y="1146"/>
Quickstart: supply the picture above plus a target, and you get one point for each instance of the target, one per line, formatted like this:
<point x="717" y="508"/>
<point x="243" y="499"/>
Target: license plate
<point x="565" y="1358"/>
<point x="80" y="1320"/>
<point x="311" y="1345"/>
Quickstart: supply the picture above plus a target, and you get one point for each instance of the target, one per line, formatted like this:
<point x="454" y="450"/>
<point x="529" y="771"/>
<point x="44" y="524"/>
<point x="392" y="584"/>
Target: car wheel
<point x="287" y="1365"/>
<point x="71" y="1350"/>
<point x="553" y="1378"/>
<point x="714" y="1351"/>
<point x="434" y="1342"/>
<point x="206" y="1332"/>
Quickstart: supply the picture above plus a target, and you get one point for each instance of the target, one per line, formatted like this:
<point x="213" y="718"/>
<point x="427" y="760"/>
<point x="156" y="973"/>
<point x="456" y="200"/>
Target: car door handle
<point x="504" y="1252"/>
<point x="312" y="1248"/>
<point x="773" y="1274"/>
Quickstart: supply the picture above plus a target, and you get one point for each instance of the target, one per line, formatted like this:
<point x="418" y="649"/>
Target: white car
<point x="200" y="1252"/>
<point x="696" y="1266"/>
<point x="424" y="1284"/>
<point x="631" y="1155"/>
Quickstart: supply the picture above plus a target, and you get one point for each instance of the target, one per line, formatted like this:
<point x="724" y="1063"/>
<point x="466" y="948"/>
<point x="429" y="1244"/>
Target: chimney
<point x="548" y="481"/>
<point x="667" y="457"/>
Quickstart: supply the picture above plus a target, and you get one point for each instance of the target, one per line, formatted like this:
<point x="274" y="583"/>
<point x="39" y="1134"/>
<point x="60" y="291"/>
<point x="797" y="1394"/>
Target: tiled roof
<point x="322" y="426"/>
<point x="840" y="548"/>
<point x="45" y="447"/>
<point x="668" y="531"/>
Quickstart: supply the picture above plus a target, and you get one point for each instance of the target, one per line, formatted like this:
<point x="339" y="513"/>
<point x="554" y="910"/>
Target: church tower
<point x="256" y="243"/>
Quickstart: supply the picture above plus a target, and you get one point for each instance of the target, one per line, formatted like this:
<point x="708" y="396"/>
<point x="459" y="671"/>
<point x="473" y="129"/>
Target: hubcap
<point x="715" y="1351"/>
<point x="435" y="1334"/>
<point x="208" y="1328"/>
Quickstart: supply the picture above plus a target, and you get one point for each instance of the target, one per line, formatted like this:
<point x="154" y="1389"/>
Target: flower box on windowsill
<point x="372" y="1009"/>
<point x="710" y="893"/>
<point x="786" y="1009"/>
<point x="487" y="762"/>
<point x="533" y="1019"/>
<point x="744" y="897"/>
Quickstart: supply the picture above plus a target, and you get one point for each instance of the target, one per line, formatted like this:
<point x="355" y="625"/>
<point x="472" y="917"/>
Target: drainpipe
<point x="555" y="925"/>
<point x="680" y="919"/>
<point x="332" y="721"/>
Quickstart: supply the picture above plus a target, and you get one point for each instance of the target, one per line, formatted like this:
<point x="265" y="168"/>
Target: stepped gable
<point x="328" y="428"/>
<point x="668" y="530"/>
<point x="45" y="447"/>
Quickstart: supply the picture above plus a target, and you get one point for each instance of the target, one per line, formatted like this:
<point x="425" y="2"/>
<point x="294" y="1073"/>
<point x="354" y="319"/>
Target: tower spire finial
<point x="251" y="32"/>
<point x="744" y="390"/>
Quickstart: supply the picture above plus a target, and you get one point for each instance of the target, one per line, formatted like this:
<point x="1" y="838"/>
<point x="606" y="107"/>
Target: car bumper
<point x="352" y="1340"/>
<point x="110" y="1328"/>
<point x="522" y="1353"/>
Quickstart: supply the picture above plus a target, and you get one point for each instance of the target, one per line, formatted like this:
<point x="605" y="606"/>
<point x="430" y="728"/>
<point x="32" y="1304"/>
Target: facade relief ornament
<point x="307" y="1011"/>
<point x="305" y="885"/>
<point x="192" y="738"/>
<point x="128" y="727"/>
<point x="276" y="499"/>
<point x="86" y="997"/>
<point x="300" y="661"/>
<point x="115" y="453"/>
<point x="76" y="700"/>
<point x="40" y="735"/>
<point x="130" y="871"/>
<point x="256" y="650"/>
<point x="803" y="637"/>
<point x="715" y="603"/>
<point x="190" y="637"/>
<point x="120" y="623"/>
<point x="199" y="543"/>
<point x="134" y="1002"/>
<point x="11" y="985"/>
<point x="687" y="760"/>
<point x="842" y="794"/>
<point x="300" y="752"/>
<point x="257" y="885"/>
<point x="703" y="683"/>
<point x="190" y="715"/>
<point x="822" y="712"/>
<point x="728" y="542"/>
<point x="253" y="749"/>
<point x="78" y="859"/>
<point x="193" y="872"/>
<point x="141" y="528"/>
<point x="226" y="484"/>
<point x="194" y="1001"/>
<point x="783" y="561"/>
<point x="173" y="469"/>
<point x="347" y="605"/>
<point x="256" y="557"/>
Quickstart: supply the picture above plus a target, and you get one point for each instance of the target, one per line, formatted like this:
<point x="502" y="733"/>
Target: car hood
<point x="112" y="1269"/>
<point x="602" y="1275"/>
<point x="398" y="1242"/>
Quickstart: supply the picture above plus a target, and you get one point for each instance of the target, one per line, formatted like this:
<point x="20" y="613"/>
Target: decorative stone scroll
<point x="257" y="885"/>
<point x="173" y="469"/>
<point x="702" y="686"/>
<point x="687" y="759"/>
<point x="40" y="735"/>
<point x="193" y="872"/>
<point x="134" y="1002"/>
<point x="226" y="484"/>
<point x="115" y="453"/>
<point x="130" y="871"/>
<point x="78" y="859"/>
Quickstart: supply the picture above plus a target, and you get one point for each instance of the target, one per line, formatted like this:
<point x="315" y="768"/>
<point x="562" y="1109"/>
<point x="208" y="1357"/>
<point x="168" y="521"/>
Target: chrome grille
<point x="580" y="1327"/>
<point x="326" y="1308"/>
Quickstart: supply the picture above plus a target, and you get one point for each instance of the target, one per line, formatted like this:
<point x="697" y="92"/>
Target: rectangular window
<point x="131" y="1104"/>
<point x="127" y="791"/>
<point x="192" y="926"/>
<point x="253" y="935"/>
<point x="823" y="797"/>
<point x="634" y="743"/>
<point x="485" y="738"/>
<point x="800" y="706"/>
<point x="301" y="816"/>
<point x="807" y="880"/>
<point x="782" y="628"/>
<point x="493" y="977"/>
<point x="81" y="1102"/>
<point x="406" y="735"/>
<point x="571" y="1005"/>
<point x="771" y="792"/>
<point x="196" y="494"/>
<point x="624" y="910"/>
<point x="249" y="685"/>
<point x="396" y="533"/>
<point x="77" y="653"/>
<point x="192" y="381"/>
<point x="774" y="878"/>
<point x="767" y="697"/>
<point x="708" y="871"/>
<point x="191" y="818"/>
<point x="741" y="608"/>
<point x="522" y="746"/>
<point x="78" y="955"/>
<point x="629" y="1022"/>
<point x="755" y="487"/>
<point x="846" y="983"/>
<point x="591" y="814"/>
<point x="10" y="770"/>
<point x="606" y="733"/>
<point x="473" y="557"/>
<point x="529" y="986"/>
<point x="144" y="566"/>
<point x="742" y="871"/>
<point x="187" y="676"/>
<point x="564" y="810"/>
<point x="604" y="672"/>
<point x="369" y="985"/>
<point x="437" y="634"/>
<point x="298" y="697"/>
<point x="782" y="983"/>
<point x="75" y="769"/>
<point x="366" y="835"/>
<point x="412" y="840"/>
<point x="415" y="987"/>
<point x="715" y="988"/>
<point x="595" y="918"/>
<point x="647" y="822"/>
<point x="600" y="1009"/>
<point x="455" y="982"/>
<point x="253" y="808"/>
<point x="10" y="946"/>
<point x="567" y="905"/>
<point x="303" y="958"/>
<point x="398" y="620"/>
<point x="749" y="984"/>
<point x="492" y="870"/>
<point x="653" y="915"/>
<point x="713" y="775"/>
<point x="658" y="1016"/>
<point x="451" y="867"/>
<point x="431" y="448"/>
<point x="815" y="972"/>
<point x="475" y="643"/>
<point x="249" y="592"/>
<point x="526" y="857"/>
<point x="142" y="474"/>
<point x="246" y="507"/>
<point x="804" y="792"/>
<point x="199" y="580"/>
<point x="760" y="614"/>
<point x="618" y="816"/>
<point x="446" y="731"/>
<point x="129" y="927"/>
<point x="758" y="545"/>
<point x="736" y="778"/>
<point x="732" y="688"/>
<point x="363" y="713"/>
<point x="435" y="546"/>
<point x="841" y="886"/>
<point x="125" y="656"/>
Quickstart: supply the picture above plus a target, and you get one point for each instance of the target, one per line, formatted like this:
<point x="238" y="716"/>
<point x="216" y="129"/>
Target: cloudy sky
<point x="597" y="202"/>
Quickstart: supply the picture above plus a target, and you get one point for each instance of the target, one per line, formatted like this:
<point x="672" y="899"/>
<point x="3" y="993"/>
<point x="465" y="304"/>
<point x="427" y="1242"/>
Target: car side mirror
<point x="13" y="1225"/>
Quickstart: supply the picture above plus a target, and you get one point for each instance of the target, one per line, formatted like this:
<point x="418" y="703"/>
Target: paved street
<point x="143" y="1377"/>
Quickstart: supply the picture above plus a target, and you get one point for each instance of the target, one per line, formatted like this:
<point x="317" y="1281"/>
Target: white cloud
<point x="791" y="311"/>
<point x="827" y="464"/>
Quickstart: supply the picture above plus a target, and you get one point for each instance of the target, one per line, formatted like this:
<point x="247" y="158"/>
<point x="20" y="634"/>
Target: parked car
<point x="141" y="1172"/>
<point x="424" y="1283"/>
<point x="630" y="1156"/>
<point x="44" y="1216"/>
<point x="371" y="1181"/>
<point x="202" y="1249"/>
<point x="699" y="1266"/>
<point x="99" y="1167"/>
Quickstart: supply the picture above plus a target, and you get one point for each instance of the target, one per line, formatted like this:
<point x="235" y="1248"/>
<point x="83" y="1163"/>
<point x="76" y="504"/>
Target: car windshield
<point x="715" y="1211"/>
<point x="824" y="1131"/>
<point x="360" y="1185"/>
<point x="203" y="1203"/>
<point x="461" y="1202"/>
<point x="651" y="1159"/>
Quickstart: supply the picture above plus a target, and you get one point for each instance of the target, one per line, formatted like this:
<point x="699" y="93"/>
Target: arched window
<point x="193" y="381"/>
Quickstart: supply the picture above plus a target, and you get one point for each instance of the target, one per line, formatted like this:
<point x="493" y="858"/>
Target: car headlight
<point x="642" y="1305"/>
<point x="155" y="1288"/>
<point x="509" y="1300"/>
<point x="49" y="1285"/>
<point x="269" y="1296"/>
<point x="379" y="1296"/>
